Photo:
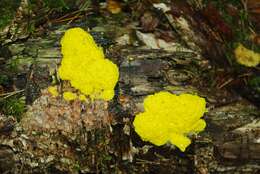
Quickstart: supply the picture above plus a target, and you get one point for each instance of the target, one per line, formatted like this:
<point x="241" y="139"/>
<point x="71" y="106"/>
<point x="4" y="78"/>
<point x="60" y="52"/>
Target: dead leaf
<point x="123" y="40"/>
<point x="149" y="22"/>
<point x="253" y="8"/>
<point x="151" y="41"/>
<point x="216" y="21"/>
<point x="255" y="38"/>
<point x="232" y="10"/>
<point x="114" y="6"/>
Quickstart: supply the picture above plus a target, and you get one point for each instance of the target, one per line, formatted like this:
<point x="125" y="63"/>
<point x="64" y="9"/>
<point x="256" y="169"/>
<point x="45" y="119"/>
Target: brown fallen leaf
<point x="216" y="21"/>
<point x="255" y="38"/>
<point x="114" y="6"/>
<point x="253" y="8"/>
<point x="149" y="22"/>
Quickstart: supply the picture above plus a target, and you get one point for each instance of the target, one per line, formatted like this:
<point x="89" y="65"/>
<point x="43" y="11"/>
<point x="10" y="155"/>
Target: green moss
<point x="3" y="79"/>
<point x="59" y="5"/>
<point x="14" y="106"/>
<point x="7" y="11"/>
<point x="221" y="3"/>
<point x="255" y="84"/>
<point x="12" y="64"/>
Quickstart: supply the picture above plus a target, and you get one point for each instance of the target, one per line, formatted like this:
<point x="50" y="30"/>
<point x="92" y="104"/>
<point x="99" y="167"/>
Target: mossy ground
<point x="7" y="11"/>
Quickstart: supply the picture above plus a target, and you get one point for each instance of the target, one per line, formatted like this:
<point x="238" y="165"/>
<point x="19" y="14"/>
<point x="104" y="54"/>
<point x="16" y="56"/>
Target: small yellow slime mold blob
<point x="170" y="118"/>
<point x="246" y="57"/>
<point x="53" y="90"/>
<point x="82" y="97"/>
<point x="85" y="66"/>
<point x="68" y="96"/>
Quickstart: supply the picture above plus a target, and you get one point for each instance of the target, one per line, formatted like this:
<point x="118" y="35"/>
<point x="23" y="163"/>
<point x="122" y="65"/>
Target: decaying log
<point x="56" y="136"/>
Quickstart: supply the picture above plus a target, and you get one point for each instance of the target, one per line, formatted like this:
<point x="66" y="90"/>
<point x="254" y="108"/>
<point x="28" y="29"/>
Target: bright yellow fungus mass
<point x="85" y="66"/>
<point x="170" y="118"/>
<point x="53" y="90"/>
<point x="68" y="96"/>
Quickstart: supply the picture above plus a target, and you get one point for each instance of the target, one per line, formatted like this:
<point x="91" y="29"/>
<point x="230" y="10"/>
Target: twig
<point x="225" y="83"/>
<point x="9" y="94"/>
<point x="142" y="161"/>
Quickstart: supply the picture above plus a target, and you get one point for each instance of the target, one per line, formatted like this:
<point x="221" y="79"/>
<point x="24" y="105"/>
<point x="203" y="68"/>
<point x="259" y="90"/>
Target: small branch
<point x="9" y="94"/>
